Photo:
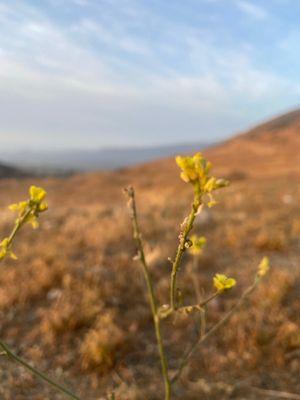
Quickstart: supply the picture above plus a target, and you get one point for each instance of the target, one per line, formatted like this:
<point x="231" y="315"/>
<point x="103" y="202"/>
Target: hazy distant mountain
<point x="7" y="171"/>
<point x="88" y="160"/>
<point x="272" y="147"/>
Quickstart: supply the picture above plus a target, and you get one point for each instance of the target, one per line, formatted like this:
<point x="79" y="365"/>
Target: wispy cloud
<point x="101" y="73"/>
<point x="252" y="9"/>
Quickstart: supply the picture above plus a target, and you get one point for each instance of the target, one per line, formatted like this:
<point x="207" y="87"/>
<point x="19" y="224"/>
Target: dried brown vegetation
<point x="75" y="303"/>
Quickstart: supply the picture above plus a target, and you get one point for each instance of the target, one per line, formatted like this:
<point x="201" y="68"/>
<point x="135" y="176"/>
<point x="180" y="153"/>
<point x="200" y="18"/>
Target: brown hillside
<point x="270" y="149"/>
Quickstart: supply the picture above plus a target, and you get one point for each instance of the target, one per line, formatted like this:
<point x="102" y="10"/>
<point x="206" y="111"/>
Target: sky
<point x="102" y="73"/>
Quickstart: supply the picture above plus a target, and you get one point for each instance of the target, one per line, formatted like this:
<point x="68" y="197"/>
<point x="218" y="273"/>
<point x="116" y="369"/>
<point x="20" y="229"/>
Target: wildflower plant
<point x="195" y="170"/>
<point x="27" y="212"/>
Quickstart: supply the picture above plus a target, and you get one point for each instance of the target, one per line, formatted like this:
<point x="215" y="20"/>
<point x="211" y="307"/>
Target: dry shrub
<point x="33" y="282"/>
<point x="71" y="311"/>
<point x="272" y="294"/>
<point x="101" y="344"/>
<point x="275" y="241"/>
<point x="288" y="336"/>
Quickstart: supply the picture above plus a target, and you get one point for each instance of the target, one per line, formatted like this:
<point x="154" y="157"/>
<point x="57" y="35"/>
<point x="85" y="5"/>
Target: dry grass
<point x="75" y="304"/>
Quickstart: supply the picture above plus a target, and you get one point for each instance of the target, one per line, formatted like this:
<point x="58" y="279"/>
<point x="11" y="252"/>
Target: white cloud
<point x="112" y="35"/>
<point x="252" y="9"/>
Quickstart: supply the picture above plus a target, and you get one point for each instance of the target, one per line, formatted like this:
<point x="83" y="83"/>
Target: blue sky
<point x="94" y="73"/>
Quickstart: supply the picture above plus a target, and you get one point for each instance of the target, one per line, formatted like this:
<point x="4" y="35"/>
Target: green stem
<point x="199" y="306"/>
<point x="34" y="371"/>
<point x="163" y="314"/>
<point x="156" y="320"/>
<point x="18" y="225"/>
<point x="182" y="244"/>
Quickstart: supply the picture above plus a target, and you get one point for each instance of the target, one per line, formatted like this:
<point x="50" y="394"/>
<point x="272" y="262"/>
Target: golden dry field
<point x="74" y="303"/>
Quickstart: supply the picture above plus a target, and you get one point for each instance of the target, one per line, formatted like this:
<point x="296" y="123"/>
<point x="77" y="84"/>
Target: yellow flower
<point x="31" y="208"/>
<point x="214" y="184"/>
<point x="196" y="170"/>
<point x="32" y="219"/>
<point x="212" y="202"/>
<point x="222" y="282"/>
<point x="263" y="267"/>
<point x="187" y="166"/>
<point x="197" y="244"/>
<point x="5" y="250"/>
<point x="37" y="194"/>
<point x="193" y="168"/>
<point x="43" y="207"/>
<point x="19" y="207"/>
<point x="28" y="212"/>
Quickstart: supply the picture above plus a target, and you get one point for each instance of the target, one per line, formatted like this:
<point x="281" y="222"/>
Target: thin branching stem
<point x="214" y="329"/>
<point x="36" y="372"/>
<point x="199" y="307"/>
<point x="18" y="225"/>
<point x="152" y="299"/>
<point x="188" y="226"/>
<point x="193" y="275"/>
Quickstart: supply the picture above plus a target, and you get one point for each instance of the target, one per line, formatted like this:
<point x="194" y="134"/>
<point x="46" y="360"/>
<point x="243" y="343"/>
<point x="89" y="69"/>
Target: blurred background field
<point x="74" y="302"/>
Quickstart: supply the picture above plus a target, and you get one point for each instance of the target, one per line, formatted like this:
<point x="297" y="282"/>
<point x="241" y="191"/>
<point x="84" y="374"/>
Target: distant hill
<point x="277" y="125"/>
<point x="7" y="171"/>
<point x="271" y="148"/>
<point x="98" y="159"/>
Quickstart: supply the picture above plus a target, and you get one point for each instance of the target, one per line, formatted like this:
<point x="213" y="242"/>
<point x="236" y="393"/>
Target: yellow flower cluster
<point x="193" y="168"/>
<point x="32" y="207"/>
<point x="28" y="212"/>
<point x="222" y="282"/>
<point x="196" y="170"/>
<point x="197" y="244"/>
<point x="263" y="267"/>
